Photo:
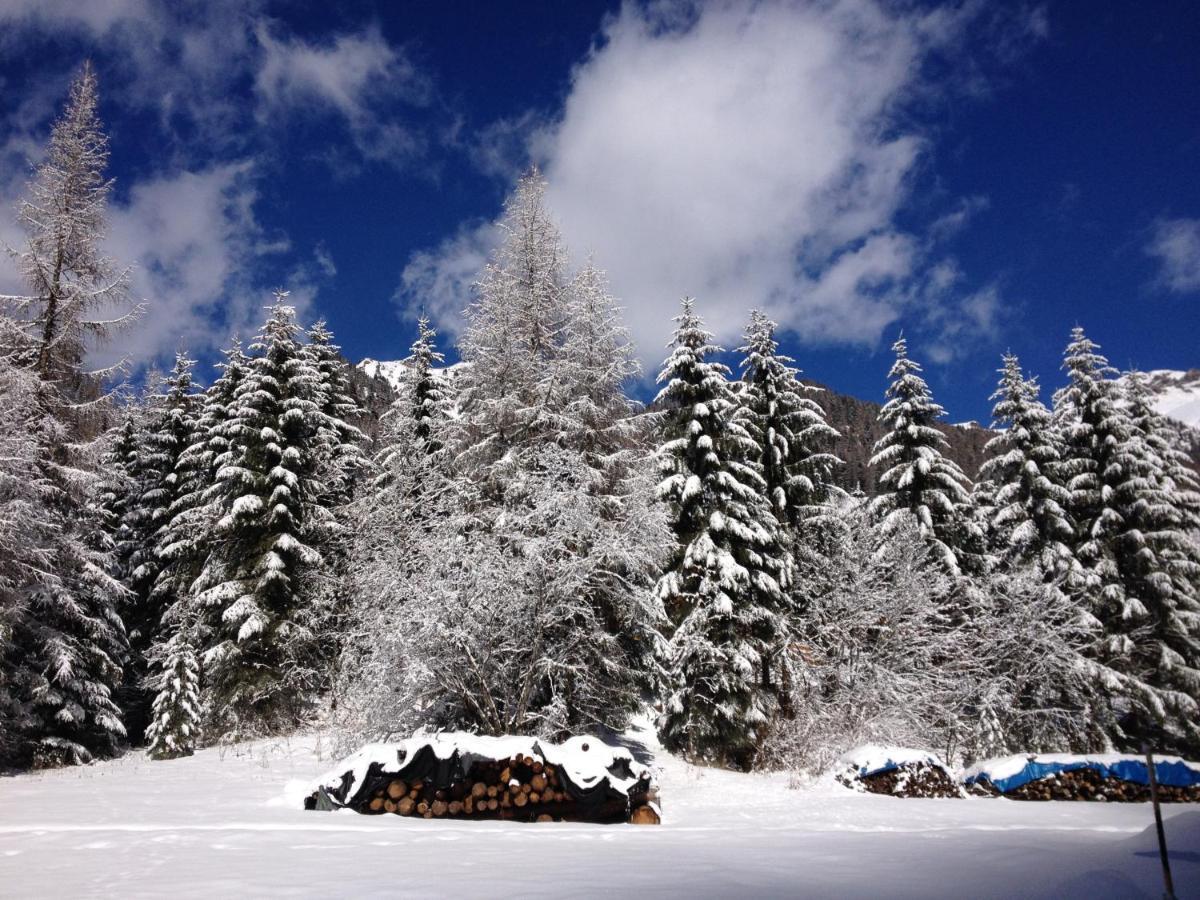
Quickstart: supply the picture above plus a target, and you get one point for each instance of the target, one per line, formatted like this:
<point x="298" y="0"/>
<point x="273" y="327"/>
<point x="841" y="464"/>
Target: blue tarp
<point x="1174" y="774"/>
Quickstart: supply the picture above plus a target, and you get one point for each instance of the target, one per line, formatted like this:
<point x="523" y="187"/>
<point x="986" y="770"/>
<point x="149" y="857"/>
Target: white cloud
<point x="439" y="281"/>
<point x="189" y="227"/>
<point x="746" y="154"/>
<point x="97" y="16"/>
<point x="358" y="75"/>
<point x="192" y="239"/>
<point x="1175" y="243"/>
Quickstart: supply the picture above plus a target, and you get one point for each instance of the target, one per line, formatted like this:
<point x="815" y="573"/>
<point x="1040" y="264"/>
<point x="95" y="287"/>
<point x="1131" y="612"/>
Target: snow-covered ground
<point x="230" y="824"/>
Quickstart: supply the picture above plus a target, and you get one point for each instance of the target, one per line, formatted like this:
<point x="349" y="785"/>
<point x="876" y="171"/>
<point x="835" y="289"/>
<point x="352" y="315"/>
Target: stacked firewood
<point x="520" y="788"/>
<point x="907" y="780"/>
<point x="1088" y="784"/>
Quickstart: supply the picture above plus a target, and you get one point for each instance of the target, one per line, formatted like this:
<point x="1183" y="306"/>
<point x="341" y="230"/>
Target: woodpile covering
<point x="464" y="777"/>
<point x="1088" y="784"/>
<point x="1103" y="777"/>
<point x="896" y="772"/>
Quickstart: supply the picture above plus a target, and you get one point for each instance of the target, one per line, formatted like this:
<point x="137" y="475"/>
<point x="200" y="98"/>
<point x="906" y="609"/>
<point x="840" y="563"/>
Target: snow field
<point x="230" y="823"/>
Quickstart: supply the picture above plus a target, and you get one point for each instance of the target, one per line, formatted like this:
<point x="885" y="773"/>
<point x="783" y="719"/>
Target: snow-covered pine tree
<point x="723" y="588"/>
<point x="916" y="479"/>
<point x="67" y="640"/>
<point x="175" y="719"/>
<point x="340" y="442"/>
<point x="427" y="401"/>
<point x="1029" y="521"/>
<point x="1092" y="424"/>
<point x="184" y="545"/>
<point x="260" y="646"/>
<point x="1158" y="556"/>
<point x="121" y="489"/>
<point x="1118" y="505"/>
<point x="169" y="429"/>
<point x="26" y="524"/>
<point x="786" y="423"/>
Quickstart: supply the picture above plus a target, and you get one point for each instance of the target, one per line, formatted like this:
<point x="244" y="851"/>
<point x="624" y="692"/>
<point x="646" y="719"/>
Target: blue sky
<point x="983" y="176"/>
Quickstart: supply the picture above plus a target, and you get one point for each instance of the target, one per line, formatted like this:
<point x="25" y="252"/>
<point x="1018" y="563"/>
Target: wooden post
<point x="1169" y="893"/>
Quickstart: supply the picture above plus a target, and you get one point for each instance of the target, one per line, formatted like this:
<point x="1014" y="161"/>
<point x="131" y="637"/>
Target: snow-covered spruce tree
<point x="519" y="585"/>
<point x="786" y="423"/>
<point x="724" y="586"/>
<point x="175" y="718"/>
<point x="121" y="489"/>
<point x="66" y="641"/>
<point x="1158" y="557"/>
<point x="26" y="524"/>
<point x="1092" y="424"/>
<point x="260" y="654"/>
<point x="916" y="480"/>
<point x="1029" y="521"/>
<point x="169" y="429"/>
<point x="340" y="463"/>
<point x="427" y="401"/>
<point x="340" y="442"/>
<point x="184" y="545"/>
<point x="1139" y="623"/>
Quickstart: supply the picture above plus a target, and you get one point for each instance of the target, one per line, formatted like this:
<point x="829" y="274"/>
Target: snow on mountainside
<point x="393" y="371"/>
<point x="1176" y="394"/>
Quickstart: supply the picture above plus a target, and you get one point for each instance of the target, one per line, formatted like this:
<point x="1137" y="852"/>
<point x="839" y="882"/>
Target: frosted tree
<point x="517" y="586"/>
<point x="1029" y="520"/>
<point x="514" y="335"/>
<point x="723" y="588"/>
<point x="175" y="717"/>
<point x="916" y="480"/>
<point x="66" y="642"/>
<point x="873" y="660"/>
<point x="786" y="423"/>
<point x="260" y="654"/>
<point x="70" y="280"/>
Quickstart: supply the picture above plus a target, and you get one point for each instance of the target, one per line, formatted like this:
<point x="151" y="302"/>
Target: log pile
<point x="437" y="781"/>
<point x="1088" y="784"/>
<point x="915" y="779"/>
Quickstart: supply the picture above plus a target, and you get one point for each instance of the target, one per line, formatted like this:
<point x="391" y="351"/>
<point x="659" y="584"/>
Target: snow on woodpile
<point x="466" y="776"/>
<point x="898" y="771"/>
<point x="1098" y="776"/>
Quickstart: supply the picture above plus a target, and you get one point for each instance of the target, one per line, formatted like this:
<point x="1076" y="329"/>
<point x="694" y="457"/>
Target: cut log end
<point x="644" y="815"/>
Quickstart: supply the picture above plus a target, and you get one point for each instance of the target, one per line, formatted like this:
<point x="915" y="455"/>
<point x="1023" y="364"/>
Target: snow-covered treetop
<point x="69" y="278"/>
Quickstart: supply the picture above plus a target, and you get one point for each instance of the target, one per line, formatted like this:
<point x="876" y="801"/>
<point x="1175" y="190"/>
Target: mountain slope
<point x="1176" y="394"/>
